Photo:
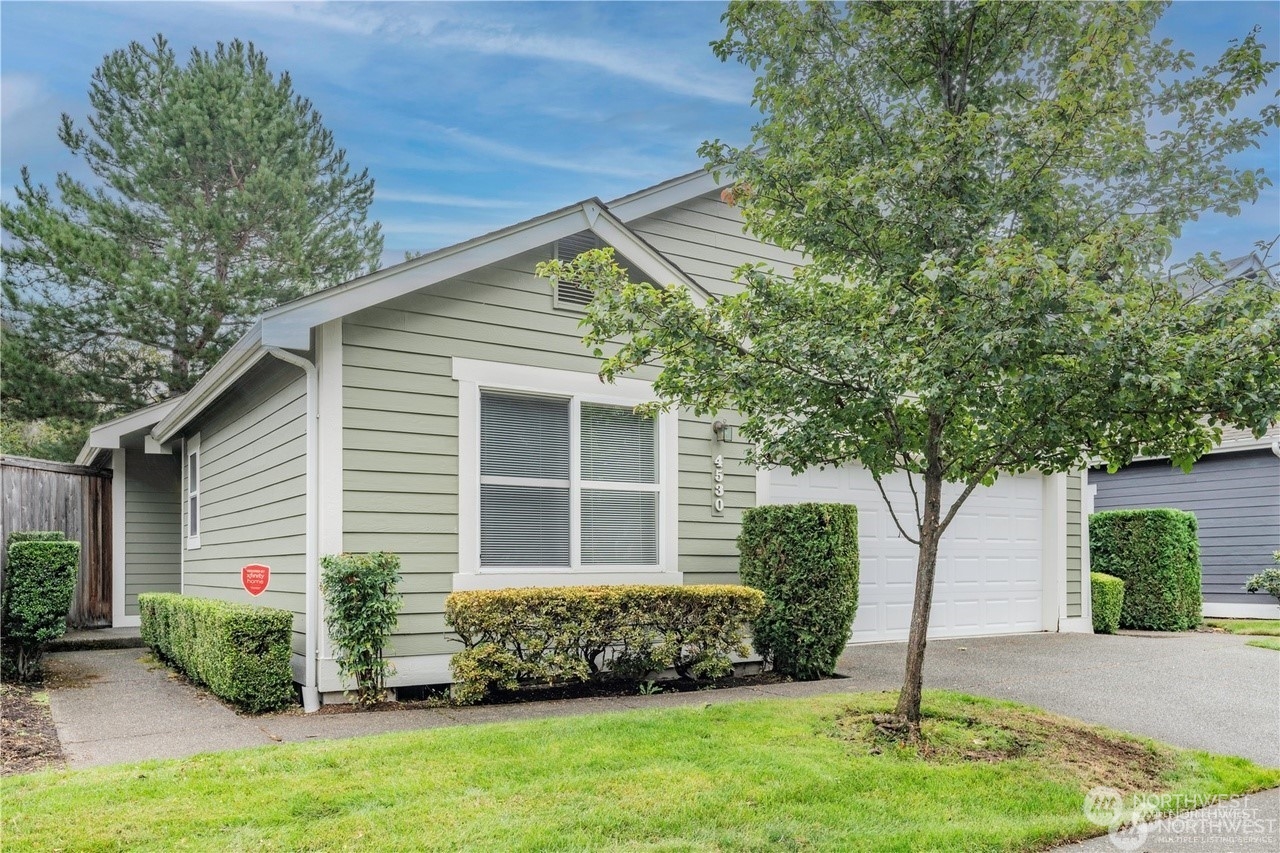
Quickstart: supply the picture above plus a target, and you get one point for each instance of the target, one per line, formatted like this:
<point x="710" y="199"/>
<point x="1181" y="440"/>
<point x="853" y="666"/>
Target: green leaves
<point x="218" y="193"/>
<point x="362" y="606"/>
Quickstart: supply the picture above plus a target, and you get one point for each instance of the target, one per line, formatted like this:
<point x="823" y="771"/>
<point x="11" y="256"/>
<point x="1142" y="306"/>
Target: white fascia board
<point x="107" y="436"/>
<point x="667" y="194"/>
<point x="650" y="261"/>
<point x="289" y="326"/>
<point x="246" y="352"/>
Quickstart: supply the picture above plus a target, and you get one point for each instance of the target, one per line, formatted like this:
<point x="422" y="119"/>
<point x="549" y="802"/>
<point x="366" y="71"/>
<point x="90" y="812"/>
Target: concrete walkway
<point x="1205" y="691"/>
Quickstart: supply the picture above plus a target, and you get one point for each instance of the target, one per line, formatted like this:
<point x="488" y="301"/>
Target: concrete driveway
<point x="1206" y="691"/>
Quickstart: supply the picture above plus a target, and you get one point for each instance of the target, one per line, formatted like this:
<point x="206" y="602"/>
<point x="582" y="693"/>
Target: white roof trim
<point x="290" y="325"/>
<point x="244" y="354"/>
<point x="666" y="194"/>
<point x="107" y="436"/>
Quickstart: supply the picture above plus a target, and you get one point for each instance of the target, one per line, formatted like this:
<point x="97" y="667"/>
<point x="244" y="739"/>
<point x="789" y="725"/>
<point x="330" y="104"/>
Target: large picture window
<point x="560" y="480"/>
<point x="566" y="482"/>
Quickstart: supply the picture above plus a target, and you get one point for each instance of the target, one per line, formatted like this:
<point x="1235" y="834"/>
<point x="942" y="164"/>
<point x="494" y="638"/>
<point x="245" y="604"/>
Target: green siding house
<point x="445" y="410"/>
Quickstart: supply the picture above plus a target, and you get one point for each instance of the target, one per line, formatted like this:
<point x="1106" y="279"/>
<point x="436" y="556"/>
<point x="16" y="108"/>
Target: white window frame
<point x="191" y="448"/>
<point x="474" y="376"/>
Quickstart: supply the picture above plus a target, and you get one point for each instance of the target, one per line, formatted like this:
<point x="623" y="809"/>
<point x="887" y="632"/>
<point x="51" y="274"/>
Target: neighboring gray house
<point x="1235" y="493"/>
<point x="446" y="410"/>
<point x="1233" y="490"/>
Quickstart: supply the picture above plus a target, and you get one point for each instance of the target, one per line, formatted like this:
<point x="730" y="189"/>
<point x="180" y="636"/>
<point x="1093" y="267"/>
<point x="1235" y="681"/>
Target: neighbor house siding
<point x="1075" y="545"/>
<point x="252" y="492"/>
<point x="400" y="432"/>
<point x="704" y="237"/>
<point x="152" y="526"/>
<point x="1236" y="500"/>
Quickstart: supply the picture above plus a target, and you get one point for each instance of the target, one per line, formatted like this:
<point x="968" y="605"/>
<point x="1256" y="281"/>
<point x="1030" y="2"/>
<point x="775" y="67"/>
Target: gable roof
<point x="289" y="325"/>
<point x="1249" y="267"/>
<point x="109" y="435"/>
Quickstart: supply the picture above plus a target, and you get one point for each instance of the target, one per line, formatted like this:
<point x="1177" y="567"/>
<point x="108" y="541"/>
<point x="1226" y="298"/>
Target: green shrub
<point x="241" y="652"/>
<point x="804" y="558"/>
<point x="1267" y="581"/>
<point x="361" y="607"/>
<point x="1156" y="553"/>
<point x="39" y="582"/>
<point x="1108" y="600"/>
<point x="37" y="536"/>
<point x="549" y="635"/>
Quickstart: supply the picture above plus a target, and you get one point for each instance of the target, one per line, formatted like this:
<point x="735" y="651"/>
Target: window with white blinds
<point x="566" y="482"/>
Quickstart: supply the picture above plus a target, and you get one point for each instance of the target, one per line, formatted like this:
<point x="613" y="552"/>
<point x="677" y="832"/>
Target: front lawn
<point x="793" y="774"/>
<point x="1260" y="627"/>
<point x="1265" y="643"/>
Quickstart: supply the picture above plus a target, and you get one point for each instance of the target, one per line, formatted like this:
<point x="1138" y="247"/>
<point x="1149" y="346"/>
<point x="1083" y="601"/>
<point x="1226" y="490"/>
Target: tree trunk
<point x="908" y="710"/>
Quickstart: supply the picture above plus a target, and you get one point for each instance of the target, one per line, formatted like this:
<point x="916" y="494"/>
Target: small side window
<point x="193" y="492"/>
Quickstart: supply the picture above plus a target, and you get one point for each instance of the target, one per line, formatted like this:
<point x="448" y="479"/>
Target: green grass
<point x="802" y="774"/>
<point x="1260" y="627"/>
<point x="1265" y="643"/>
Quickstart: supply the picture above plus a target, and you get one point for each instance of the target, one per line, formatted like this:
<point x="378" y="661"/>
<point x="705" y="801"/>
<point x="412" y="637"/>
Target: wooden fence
<point x="39" y="495"/>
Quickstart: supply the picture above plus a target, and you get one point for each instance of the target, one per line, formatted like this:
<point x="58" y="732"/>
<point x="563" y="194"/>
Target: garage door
<point x="989" y="564"/>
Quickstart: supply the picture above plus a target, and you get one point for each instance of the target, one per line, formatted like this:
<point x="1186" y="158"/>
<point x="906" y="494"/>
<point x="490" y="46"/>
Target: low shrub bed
<point x="1157" y="555"/>
<point x="241" y="652"/>
<point x="551" y="635"/>
<point x="1108" y="599"/>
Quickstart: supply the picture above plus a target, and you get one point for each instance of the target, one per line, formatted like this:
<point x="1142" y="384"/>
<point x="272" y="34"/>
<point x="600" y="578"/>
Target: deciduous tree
<point x="986" y="193"/>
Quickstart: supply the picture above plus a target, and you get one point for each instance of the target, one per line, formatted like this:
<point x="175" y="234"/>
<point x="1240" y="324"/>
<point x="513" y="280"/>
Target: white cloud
<point x="444" y="200"/>
<point x="20" y="93"/>
<point x="462" y="27"/>
<point x="610" y="166"/>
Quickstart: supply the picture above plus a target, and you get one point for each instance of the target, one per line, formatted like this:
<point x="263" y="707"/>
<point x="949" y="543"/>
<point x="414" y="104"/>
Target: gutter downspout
<point x="310" y="688"/>
<point x="1275" y="447"/>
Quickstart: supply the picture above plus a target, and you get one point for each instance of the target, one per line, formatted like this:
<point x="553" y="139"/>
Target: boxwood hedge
<point x="241" y="652"/>
<point x="1157" y="555"/>
<point x="1107" y="594"/>
<point x="39" y="582"/>
<point x="549" y="635"/>
<point x="804" y="558"/>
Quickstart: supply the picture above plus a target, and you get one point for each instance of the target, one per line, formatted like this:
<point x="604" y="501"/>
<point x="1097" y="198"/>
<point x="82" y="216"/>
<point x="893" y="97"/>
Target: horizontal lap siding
<point x="1236" y="500"/>
<point x="1074" y="544"/>
<point x="253" y="492"/>
<point x="152" y="526"/>
<point x="704" y="237"/>
<point x="708" y="543"/>
<point x="400" y="432"/>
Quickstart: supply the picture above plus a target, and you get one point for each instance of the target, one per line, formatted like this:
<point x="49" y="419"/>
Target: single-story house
<point x="1234" y="491"/>
<point x="445" y="409"/>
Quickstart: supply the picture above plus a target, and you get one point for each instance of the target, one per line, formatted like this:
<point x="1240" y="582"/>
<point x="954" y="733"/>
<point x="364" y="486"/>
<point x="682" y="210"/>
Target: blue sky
<point x="471" y="116"/>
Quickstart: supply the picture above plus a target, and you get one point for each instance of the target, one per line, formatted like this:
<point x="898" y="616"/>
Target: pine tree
<point x="218" y="194"/>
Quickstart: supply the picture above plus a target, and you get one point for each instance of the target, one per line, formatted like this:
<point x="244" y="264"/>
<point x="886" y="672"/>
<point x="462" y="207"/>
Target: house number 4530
<point x="717" y="485"/>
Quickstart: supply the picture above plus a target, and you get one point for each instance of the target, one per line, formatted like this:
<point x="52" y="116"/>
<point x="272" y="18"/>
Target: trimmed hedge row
<point x="39" y="582"/>
<point x="804" y="557"/>
<point x="1107" y="595"/>
<point x="1157" y="555"/>
<point x="553" y="635"/>
<point x="241" y="652"/>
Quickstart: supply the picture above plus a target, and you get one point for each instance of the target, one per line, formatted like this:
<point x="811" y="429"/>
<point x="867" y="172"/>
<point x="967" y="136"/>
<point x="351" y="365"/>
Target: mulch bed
<point x="28" y="739"/>
<point x="436" y="697"/>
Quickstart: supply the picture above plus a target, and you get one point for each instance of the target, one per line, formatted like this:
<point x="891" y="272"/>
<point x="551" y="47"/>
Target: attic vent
<point x="569" y="295"/>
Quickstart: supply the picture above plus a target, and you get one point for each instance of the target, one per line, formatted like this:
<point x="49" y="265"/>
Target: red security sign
<point x="255" y="578"/>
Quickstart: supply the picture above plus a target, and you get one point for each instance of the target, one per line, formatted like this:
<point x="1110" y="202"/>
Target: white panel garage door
<point x="989" y="564"/>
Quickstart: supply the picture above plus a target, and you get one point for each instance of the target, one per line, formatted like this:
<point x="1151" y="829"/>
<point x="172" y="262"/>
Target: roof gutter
<point x="310" y="685"/>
